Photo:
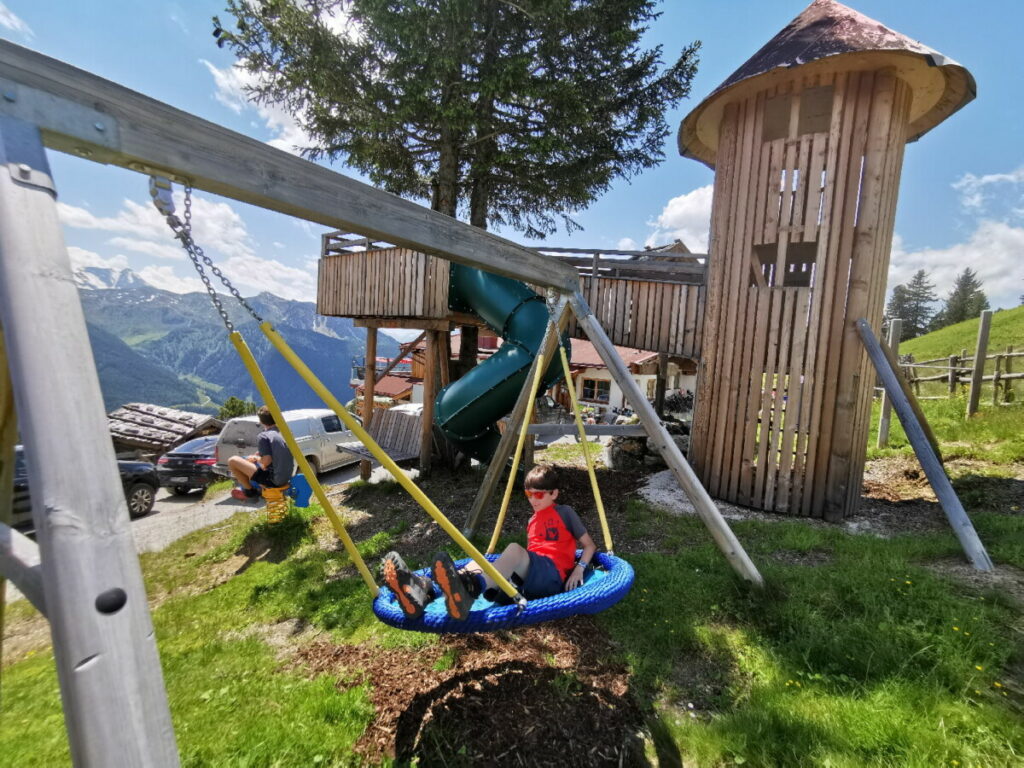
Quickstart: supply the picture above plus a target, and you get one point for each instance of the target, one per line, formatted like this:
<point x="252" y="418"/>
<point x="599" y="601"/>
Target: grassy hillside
<point x="1007" y="329"/>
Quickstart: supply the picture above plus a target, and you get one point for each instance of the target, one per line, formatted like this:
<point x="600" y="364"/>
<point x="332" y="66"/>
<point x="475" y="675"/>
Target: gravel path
<point x="176" y="516"/>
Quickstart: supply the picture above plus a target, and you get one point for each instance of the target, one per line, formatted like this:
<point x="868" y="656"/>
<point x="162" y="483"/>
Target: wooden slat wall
<point x="388" y="282"/>
<point x="784" y="390"/>
<point x="661" y="317"/>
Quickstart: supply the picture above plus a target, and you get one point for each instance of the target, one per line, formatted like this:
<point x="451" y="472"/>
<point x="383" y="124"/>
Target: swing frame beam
<point x="115" y="702"/>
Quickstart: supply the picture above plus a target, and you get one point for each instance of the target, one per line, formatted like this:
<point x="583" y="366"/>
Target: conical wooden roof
<point x="828" y="37"/>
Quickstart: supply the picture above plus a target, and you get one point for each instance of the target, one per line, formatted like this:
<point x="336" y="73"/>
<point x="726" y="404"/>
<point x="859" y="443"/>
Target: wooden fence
<point x="957" y="371"/>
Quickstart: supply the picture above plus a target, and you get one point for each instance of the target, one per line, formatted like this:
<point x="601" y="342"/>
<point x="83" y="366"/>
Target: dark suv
<point x="138" y="478"/>
<point x="188" y="466"/>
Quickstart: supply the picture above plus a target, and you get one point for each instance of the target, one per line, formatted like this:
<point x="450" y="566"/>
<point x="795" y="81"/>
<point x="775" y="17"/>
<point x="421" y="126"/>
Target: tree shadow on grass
<point x="273" y="543"/>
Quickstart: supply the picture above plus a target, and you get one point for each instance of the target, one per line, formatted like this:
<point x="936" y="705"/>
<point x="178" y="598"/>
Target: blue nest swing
<point x="603" y="587"/>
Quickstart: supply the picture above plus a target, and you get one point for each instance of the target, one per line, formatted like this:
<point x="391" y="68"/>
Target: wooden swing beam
<point x="85" y="115"/>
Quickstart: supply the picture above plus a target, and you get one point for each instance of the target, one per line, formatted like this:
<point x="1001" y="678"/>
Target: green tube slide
<point x="467" y="409"/>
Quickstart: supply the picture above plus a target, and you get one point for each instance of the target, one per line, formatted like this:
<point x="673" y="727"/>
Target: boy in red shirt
<point x="545" y="567"/>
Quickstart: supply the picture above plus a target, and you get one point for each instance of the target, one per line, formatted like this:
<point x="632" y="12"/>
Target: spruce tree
<point x="514" y="114"/>
<point x="912" y="303"/>
<point x="965" y="301"/>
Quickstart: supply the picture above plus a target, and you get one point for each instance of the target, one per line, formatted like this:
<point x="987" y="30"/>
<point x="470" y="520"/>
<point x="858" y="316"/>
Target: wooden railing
<point x="643" y="299"/>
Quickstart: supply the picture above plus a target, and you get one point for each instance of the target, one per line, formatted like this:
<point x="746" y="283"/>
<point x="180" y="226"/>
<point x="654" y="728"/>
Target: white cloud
<point x="687" y="218"/>
<point x="133" y="219"/>
<point x="628" y="244"/>
<point x="341" y="24"/>
<point x="977" y="191"/>
<point x="170" y="252"/>
<point x="15" y="24"/>
<point x="231" y="83"/>
<point x="216" y="226"/>
<point x="995" y="251"/>
<point x="81" y="258"/>
<point x="252" y="274"/>
<point x="166" y="279"/>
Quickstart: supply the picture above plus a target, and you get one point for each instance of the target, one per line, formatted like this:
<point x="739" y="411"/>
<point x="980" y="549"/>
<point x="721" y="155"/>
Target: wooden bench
<point x="397" y="432"/>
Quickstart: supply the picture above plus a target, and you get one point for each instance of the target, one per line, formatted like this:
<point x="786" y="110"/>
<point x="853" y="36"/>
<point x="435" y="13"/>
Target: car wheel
<point x="140" y="499"/>
<point x="180" y="490"/>
<point x="314" y="464"/>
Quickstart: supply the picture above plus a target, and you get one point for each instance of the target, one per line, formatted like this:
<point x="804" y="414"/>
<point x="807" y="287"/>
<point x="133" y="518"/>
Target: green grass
<point x="1007" y="329"/>
<point x="993" y="434"/>
<point x="869" y="658"/>
<point x="573" y="453"/>
<point x="216" y="487"/>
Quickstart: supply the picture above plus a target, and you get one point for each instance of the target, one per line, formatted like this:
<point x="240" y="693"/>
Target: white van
<point x="317" y="432"/>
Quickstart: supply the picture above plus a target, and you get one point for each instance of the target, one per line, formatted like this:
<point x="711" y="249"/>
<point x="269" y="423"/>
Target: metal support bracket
<point x="23" y="155"/>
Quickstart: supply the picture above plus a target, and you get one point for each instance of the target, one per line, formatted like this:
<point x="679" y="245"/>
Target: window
<point x="797" y="272"/>
<point x="596" y="390"/>
<point x="332" y="424"/>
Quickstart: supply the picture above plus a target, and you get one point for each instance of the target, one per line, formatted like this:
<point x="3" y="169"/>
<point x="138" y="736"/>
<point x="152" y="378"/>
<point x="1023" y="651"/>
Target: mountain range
<point x="172" y="349"/>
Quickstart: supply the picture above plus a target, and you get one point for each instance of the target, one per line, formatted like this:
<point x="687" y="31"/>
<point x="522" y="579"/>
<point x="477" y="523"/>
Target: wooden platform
<point x="643" y="300"/>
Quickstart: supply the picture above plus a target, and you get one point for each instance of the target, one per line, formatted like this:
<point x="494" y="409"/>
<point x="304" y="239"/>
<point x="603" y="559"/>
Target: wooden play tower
<point x="807" y="141"/>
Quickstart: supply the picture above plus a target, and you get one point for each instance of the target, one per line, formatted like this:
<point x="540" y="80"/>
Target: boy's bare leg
<point x="242" y="470"/>
<point x="514" y="559"/>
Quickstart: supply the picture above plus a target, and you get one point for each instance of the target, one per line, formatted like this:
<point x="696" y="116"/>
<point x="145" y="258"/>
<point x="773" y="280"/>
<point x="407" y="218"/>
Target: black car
<point x="138" y="478"/>
<point x="188" y="466"/>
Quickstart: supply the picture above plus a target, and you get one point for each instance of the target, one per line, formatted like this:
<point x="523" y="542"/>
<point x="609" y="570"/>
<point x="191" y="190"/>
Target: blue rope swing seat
<point x="602" y="588"/>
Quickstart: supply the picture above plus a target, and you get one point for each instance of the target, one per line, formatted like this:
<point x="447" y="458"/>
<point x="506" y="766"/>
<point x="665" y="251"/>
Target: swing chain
<point x="160" y="189"/>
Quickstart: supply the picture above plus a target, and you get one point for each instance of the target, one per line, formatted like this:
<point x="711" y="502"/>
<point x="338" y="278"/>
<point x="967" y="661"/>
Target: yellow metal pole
<point x="378" y="453"/>
<point x="586" y="451"/>
<point x="537" y="375"/>
<point x="289" y="438"/>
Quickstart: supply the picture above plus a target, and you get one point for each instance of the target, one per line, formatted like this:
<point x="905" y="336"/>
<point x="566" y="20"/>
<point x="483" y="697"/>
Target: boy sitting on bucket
<point x="545" y="567"/>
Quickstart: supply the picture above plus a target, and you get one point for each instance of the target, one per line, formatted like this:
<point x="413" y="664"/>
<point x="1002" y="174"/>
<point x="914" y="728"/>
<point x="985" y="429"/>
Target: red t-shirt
<point x="553" y="532"/>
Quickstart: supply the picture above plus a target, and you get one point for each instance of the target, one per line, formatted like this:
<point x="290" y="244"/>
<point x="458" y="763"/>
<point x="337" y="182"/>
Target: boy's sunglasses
<point x="535" y="494"/>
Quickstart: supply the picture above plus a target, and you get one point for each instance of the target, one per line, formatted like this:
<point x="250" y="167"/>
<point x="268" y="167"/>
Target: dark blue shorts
<point x="543" y="578"/>
<point x="263" y="477"/>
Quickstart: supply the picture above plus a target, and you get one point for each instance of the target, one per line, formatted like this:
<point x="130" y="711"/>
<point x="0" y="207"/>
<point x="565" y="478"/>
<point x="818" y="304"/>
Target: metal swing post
<point x="112" y="689"/>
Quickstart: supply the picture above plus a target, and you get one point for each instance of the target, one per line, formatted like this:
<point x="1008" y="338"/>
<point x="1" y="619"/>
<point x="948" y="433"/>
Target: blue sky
<point x="961" y="200"/>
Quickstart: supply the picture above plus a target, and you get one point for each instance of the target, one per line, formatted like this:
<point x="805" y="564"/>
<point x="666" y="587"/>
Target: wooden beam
<point x="19" y="561"/>
<point x="369" y="383"/>
<point x="429" y="393"/>
<point x="559" y="430"/>
<point x="411" y="323"/>
<point x="104" y="645"/>
<point x="403" y="350"/>
<point x="930" y="461"/>
<point x="660" y="384"/>
<point x="893" y="342"/>
<point x="661" y="441"/>
<point x="978" y="373"/>
<point x="87" y="116"/>
<point x="912" y="400"/>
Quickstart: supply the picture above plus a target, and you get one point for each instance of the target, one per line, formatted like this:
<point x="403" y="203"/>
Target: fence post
<point x="954" y="373"/>
<point x="979" y="362"/>
<point x="996" y="376"/>
<point x="893" y="342"/>
<point x="1008" y="384"/>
